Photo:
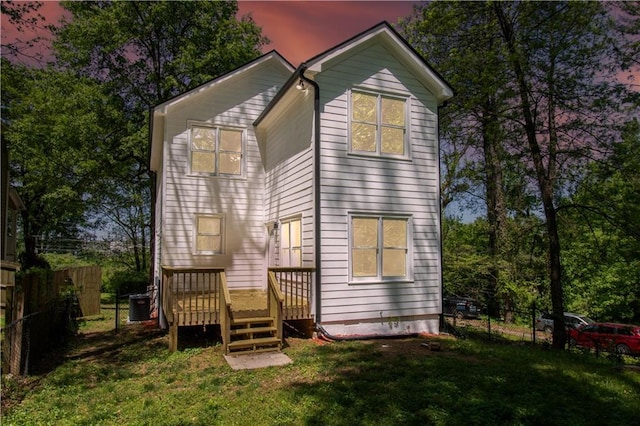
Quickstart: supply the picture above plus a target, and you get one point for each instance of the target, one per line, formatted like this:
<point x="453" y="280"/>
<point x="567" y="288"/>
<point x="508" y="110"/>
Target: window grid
<point x="209" y="234"/>
<point x="216" y="151"/>
<point x="378" y="124"/>
<point x="291" y="243"/>
<point x="379" y="247"/>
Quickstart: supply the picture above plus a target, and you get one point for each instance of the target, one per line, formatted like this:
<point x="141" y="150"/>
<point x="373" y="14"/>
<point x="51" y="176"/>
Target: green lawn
<point x="131" y="378"/>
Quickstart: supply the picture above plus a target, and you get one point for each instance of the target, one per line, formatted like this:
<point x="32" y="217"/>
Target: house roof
<point x="381" y="33"/>
<point x="158" y="111"/>
<point x="273" y="54"/>
<point x="385" y="34"/>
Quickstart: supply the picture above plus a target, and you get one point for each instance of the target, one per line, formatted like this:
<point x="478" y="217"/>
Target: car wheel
<point x="460" y="315"/>
<point x="572" y="343"/>
<point x="548" y="329"/>
<point x="623" y="349"/>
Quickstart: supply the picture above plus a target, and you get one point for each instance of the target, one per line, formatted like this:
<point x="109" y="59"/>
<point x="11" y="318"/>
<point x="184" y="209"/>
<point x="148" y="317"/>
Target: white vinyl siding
<point x="232" y="104"/>
<point x="288" y="148"/>
<point x="380" y="186"/>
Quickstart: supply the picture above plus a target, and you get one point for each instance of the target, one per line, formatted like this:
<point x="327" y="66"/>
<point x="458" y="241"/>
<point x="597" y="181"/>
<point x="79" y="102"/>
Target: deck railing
<point x="275" y="299"/>
<point x="225" y="315"/>
<point x="191" y="296"/>
<point x="295" y="285"/>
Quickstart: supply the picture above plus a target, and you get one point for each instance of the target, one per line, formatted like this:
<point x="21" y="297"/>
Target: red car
<point x="620" y="338"/>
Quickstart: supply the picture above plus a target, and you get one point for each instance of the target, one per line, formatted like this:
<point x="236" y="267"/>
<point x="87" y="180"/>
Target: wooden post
<point x="173" y="337"/>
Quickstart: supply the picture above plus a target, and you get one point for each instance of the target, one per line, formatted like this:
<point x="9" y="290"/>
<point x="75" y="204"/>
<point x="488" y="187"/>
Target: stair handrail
<point x="167" y="293"/>
<point x="225" y="312"/>
<point x="275" y="300"/>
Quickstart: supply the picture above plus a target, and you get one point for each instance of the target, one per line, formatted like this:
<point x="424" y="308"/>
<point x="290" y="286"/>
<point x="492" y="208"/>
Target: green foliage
<point x="126" y="281"/>
<point x="602" y="226"/>
<point x="65" y="260"/>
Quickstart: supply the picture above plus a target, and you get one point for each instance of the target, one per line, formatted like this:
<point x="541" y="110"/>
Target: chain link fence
<point x="510" y="326"/>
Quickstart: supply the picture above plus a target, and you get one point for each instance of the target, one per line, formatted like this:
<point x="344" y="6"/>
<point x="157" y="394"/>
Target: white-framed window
<point x="291" y="242"/>
<point x="215" y="151"/>
<point x="209" y="234"/>
<point x="378" y="124"/>
<point x="379" y="247"/>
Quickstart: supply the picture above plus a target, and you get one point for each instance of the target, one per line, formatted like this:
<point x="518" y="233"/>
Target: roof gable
<point x="384" y="34"/>
<point x="270" y="57"/>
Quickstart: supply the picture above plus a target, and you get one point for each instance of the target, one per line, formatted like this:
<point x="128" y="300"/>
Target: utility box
<point x="139" y="306"/>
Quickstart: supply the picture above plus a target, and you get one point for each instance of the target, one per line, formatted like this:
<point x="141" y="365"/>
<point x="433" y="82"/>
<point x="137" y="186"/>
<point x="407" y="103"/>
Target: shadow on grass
<point x="491" y="385"/>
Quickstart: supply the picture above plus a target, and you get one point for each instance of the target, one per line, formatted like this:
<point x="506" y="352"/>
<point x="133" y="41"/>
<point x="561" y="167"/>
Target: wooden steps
<point x="253" y="334"/>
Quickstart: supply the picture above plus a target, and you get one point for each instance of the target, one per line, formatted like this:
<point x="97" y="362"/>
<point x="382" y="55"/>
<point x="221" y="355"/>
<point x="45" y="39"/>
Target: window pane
<point x="209" y="225"/>
<point x="296" y="235"/>
<point x="230" y="163"/>
<point x="285" y="236"/>
<point x="231" y="140"/>
<point x="365" y="232"/>
<point x="394" y="263"/>
<point x="364" y="263"/>
<point x="394" y="233"/>
<point x="203" y="138"/>
<point x="296" y="257"/>
<point x="393" y="111"/>
<point x="285" y="261"/>
<point x="392" y="140"/>
<point x="363" y="137"/>
<point x="202" y="161"/>
<point x="208" y="243"/>
<point x="364" y="107"/>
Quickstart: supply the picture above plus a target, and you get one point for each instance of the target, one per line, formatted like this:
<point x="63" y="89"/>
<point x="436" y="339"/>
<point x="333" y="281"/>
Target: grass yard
<point x="130" y="378"/>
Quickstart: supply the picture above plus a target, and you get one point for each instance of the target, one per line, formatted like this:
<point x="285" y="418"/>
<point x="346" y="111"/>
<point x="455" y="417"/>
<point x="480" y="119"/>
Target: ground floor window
<point x="209" y="232"/>
<point x="379" y="247"/>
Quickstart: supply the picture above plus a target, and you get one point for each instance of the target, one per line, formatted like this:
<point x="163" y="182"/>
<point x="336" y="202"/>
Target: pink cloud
<point x="301" y="29"/>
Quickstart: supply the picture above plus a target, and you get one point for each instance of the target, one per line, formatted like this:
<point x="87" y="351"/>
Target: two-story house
<point x="313" y="192"/>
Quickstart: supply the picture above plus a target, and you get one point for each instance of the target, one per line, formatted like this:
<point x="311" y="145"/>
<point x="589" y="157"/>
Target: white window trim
<point x="217" y="127"/>
<point x="223" y="243"/>
<point x="409" y="259"/>
<point x="407" y="125"/>
<point x="280" y="248"/>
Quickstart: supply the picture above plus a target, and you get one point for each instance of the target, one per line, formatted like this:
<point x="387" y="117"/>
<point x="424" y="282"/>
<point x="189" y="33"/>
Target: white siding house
<point x="333" y="165"/>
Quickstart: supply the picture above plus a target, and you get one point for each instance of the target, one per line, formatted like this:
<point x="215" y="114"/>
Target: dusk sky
<point x="298" y="30"/>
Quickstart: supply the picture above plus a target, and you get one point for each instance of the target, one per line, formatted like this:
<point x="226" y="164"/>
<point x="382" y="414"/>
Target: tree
<point x="535" y="82"/>
<point x="25" y="18"/>
<point x="460" y="39"/>
<point x="602" y="227"/>
<point x="145" y="53"/>
<point x="556" y="53"/>
<point x="54" y="129"/>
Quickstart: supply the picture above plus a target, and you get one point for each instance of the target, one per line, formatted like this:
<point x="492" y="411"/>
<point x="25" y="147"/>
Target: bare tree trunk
<point x="496" y="213"/>
<point x="545" y="177"/>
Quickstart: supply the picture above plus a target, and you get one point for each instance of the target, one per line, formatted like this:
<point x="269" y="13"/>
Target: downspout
<point x="440" y="214"/>
<point x="316" y="189"/>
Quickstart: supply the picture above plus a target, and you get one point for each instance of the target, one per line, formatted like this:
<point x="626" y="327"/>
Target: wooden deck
<point x="200" y="297"/>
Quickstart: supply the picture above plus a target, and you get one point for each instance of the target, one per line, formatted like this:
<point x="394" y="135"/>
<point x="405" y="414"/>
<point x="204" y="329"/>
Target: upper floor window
<point x="378" y="124"/>
<point x="216" y="150"/>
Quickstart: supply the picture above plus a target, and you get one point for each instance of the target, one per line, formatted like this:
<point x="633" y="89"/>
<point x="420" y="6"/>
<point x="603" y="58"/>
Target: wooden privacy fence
<point x="40" y="311"/>
<point x="86" y="283"/>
